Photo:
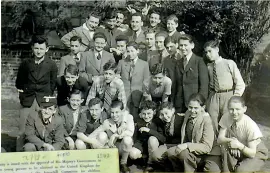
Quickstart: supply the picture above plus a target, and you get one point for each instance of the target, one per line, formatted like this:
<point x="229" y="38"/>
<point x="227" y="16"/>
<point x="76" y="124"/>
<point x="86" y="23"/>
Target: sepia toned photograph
<point x="131" y="86"/>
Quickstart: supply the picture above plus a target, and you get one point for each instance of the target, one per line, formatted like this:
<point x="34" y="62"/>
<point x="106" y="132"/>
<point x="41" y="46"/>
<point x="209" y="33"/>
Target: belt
<point x="223" y="91"/>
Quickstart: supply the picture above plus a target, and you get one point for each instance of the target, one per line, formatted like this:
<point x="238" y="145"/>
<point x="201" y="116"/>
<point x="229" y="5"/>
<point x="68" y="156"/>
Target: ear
<point x="140" y="115"/>
<point x="68" y="99"/>
<point x="176" y="45"/>
<point x="192" y="45"/>
<point x="176" y="25"/>
<point x="203" y="107"/>
<point x="155" y="111"/>
<point x="47" y="49"/>
<point x="245" y="109"/>
<point x="82" y="101"/>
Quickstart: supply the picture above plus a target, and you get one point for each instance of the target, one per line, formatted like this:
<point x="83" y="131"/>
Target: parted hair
<point x="110" y="66"/>
<point x="72" y="69"/>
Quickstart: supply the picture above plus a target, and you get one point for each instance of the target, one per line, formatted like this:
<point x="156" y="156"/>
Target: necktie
<point x="215" y="79"/>
<point x="132" y="65"/>
<point x="98" y="56"/>
<point x="77" y="59"/>
<point x="167" y="129"/>
<point x="160" y="56"/>
<point x="185" y="61"/>
<point x="107" y="97"/>
<point x="134" y="36"/>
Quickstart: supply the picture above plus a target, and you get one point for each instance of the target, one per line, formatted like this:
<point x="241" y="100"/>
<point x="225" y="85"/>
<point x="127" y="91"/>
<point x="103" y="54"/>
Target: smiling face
<point x="116" y="114"/>
<point x="92" y="23"/>
<point x="147" y="115"/>
<point x="132" y="52"/>
<point x="39" y="50"/>
<point x="171" y="25"/>
<point x="122" y="46"/>
<point x="48" y="112"/>
<point x="212" y="53"/>
<point x="111" y="23"/>
<point x="166" y="114"/>
<point x="150" y="39"/>
<point x="185" y="47"/>
<point x="154" y="19"/>
<point x="95" y="111"/>
<point x="75" y="101"/>
<point x="171" y="48"/>
<point x="119" y="19"/>
<point x="136" y="23"/>
<point x="158" y="79"/>
<point x="100" y="43"/>
<point x="109" y="75"/>
<point x="160" y="42"/>
<point x="70" y="78"/>
<point x="236" y="110"/>
<point x="195" y="108"/>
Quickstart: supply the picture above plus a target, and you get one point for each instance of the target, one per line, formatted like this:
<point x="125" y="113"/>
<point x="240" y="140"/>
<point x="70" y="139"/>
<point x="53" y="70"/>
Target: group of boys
<point x="99" y="92"/>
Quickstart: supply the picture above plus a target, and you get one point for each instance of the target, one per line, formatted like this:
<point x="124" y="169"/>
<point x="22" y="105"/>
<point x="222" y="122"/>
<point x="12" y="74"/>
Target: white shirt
<point x="170" y="34"/>
<point x="39" y="61"/>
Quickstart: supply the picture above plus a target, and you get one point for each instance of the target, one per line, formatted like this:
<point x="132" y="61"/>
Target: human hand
<point x="146" y="9"/>
<point x="131" y="10"/>
<point x="235" y="144"/>
<point x="20" y="91"/>
<point x="144" y="129"/>
<point x="235" y="153"/>
<point x="112" y="140"/>
<point x="48" y="147"/>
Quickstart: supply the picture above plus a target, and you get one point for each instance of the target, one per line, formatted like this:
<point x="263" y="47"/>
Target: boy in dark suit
<point x="92" y="61"/>
<point x="68" y="82"/>
<point x="74" y="117"/>
<point x="36" y="78"/>
<point x="191" y="74"/>
<point x="44" y="129"/>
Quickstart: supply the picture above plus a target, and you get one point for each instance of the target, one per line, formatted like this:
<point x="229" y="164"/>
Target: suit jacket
<point x="131" y="34"/>
<point x="202" y="134"/>
<point x="176" y="36"/>
<point x="87" y="41"/>
<point x="140" y="74"/>
<point x="64" y="62"/>
<point x="88" y="65"/>
<point x="37" y="133"/>
<point x="93" y="125"/>
<point x="66" y="113"/>
<point x="36" y="81"/>
<point x="193" y="79"/>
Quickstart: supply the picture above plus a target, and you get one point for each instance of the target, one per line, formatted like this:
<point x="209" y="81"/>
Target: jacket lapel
<point x="87" y="34"/>
<point x="190" y="63"/>
<point x="197" y="126"/>
<point x="137" y="67"/>
<point x="127" y="65"/>
<point x="39" y="126"/>
<point x="43" y="68"/>
<point x="183" y="128"/>
<point x="92" y="60"/>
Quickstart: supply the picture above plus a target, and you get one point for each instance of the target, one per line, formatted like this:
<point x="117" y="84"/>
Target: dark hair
<point x="146" y="105"/>
<point x="94" y="14"/>
<point x="110" y="66"/>
<point x="212" y="43"/>
<point x="167" y="105"/>
<point x="110" y="14"/>
<point x="95" y="101"/>
<point x="157" y="68"/>
<point x="186" y="37"/>
<point x="237" y="99"/>
<point x="137" y="14"/>
<point x="170" y="40"/>
<point x="116" y="104"/>
<point x="99" y="35"/>
<point x="161" y="34"/>
<point x="72" y="69"/>
<point x="150" y="31"/>
<point x="173" y="17"/>
<point x="155" y="12"/>
<point x="39" y="39"/>
<point x="76" y="38"/>
<point x="121" y="38"/>
<point x="76" y="92"/>
<point x="133" y="44"/>
<point x="197" y="97"/>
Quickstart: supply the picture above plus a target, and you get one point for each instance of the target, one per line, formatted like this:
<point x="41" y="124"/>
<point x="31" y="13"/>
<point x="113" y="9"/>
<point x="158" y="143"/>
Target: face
<point x="100" y="43"/>
<point x="158" y="79"/>
<point x="236" y="110"/>
<point x="171" y="48"/>
<point x="111" y="23"/>
<point x="185" y="47"/>
<point x="109" y="75"/>
<point x="48" y="112"/>
<point x="75" y="47"/>
<point x="195" y="108"/>
<point x="92" y="23"/>
<point x="96" y="111"/>
<point x="70" y="78"/>
<point x="132" y="52"/>
<point x="154" y="19"/>
<point x="116" y="114"/>
<point x="119" y="19"/>
<point x="160" y="43"/>
<point x="40" y="50"/>
<point x="211" y="53"/>
<point x="136" y="23"/>
<point x="171" y="25"/>
<point x="150" y="40"/>
<point x="147" y="115"/>
<point x="122" y="46"/>
<point x="166" y="114"/>
<point x="75" y="101"/>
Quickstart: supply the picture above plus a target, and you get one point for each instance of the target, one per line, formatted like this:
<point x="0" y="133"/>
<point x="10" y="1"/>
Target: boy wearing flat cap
<point x="44" y="129"/>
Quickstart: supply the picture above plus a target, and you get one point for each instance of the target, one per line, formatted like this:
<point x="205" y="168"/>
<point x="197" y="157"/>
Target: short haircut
<point x="110" y="14"/>
<point x="157" y="68"/>
<point x="39" y="39"/>
<point x="76" y="38"/>
<point x="110" y="66"/>
<point x="212" y="43"/>
<point x="197" y="97"/>
<point x="116" y="104"/>
<point x="133" y="44"/>
<point x="137" y="14"/>
<point x="150" y="31"/>
<point x="155" y="12"/>
<point x="167" y="105"/>
<point x="173" y="17"/>
<point x="237" y="99"/>
<point x="161" y="34"/>
<point x="76" y="92"/>
<point x="99" y="35"/>
<point x="95" y="101"/>
<point x="121" y="38"/>
<point x="146" y="105"/>
<point x="186" y="37"/>
<point x="72" y="69"/>
<point x="94" y="14"/>
<point x="170" y="40"/>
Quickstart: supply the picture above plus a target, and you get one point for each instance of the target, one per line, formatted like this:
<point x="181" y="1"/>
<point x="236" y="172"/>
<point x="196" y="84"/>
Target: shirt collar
<point x="39" y="61"/>
<point x="85" y="27"/>
<point x="47" y="121"/>
<point x="138" y="32"/>
<point x="189" y="56"/>
<point x="170" y="34"/>
<point x="96" y="53"/>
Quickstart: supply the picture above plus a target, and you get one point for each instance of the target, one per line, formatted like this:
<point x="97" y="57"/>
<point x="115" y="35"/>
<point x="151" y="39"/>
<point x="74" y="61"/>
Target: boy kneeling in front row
<point x="44" y="129"/>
